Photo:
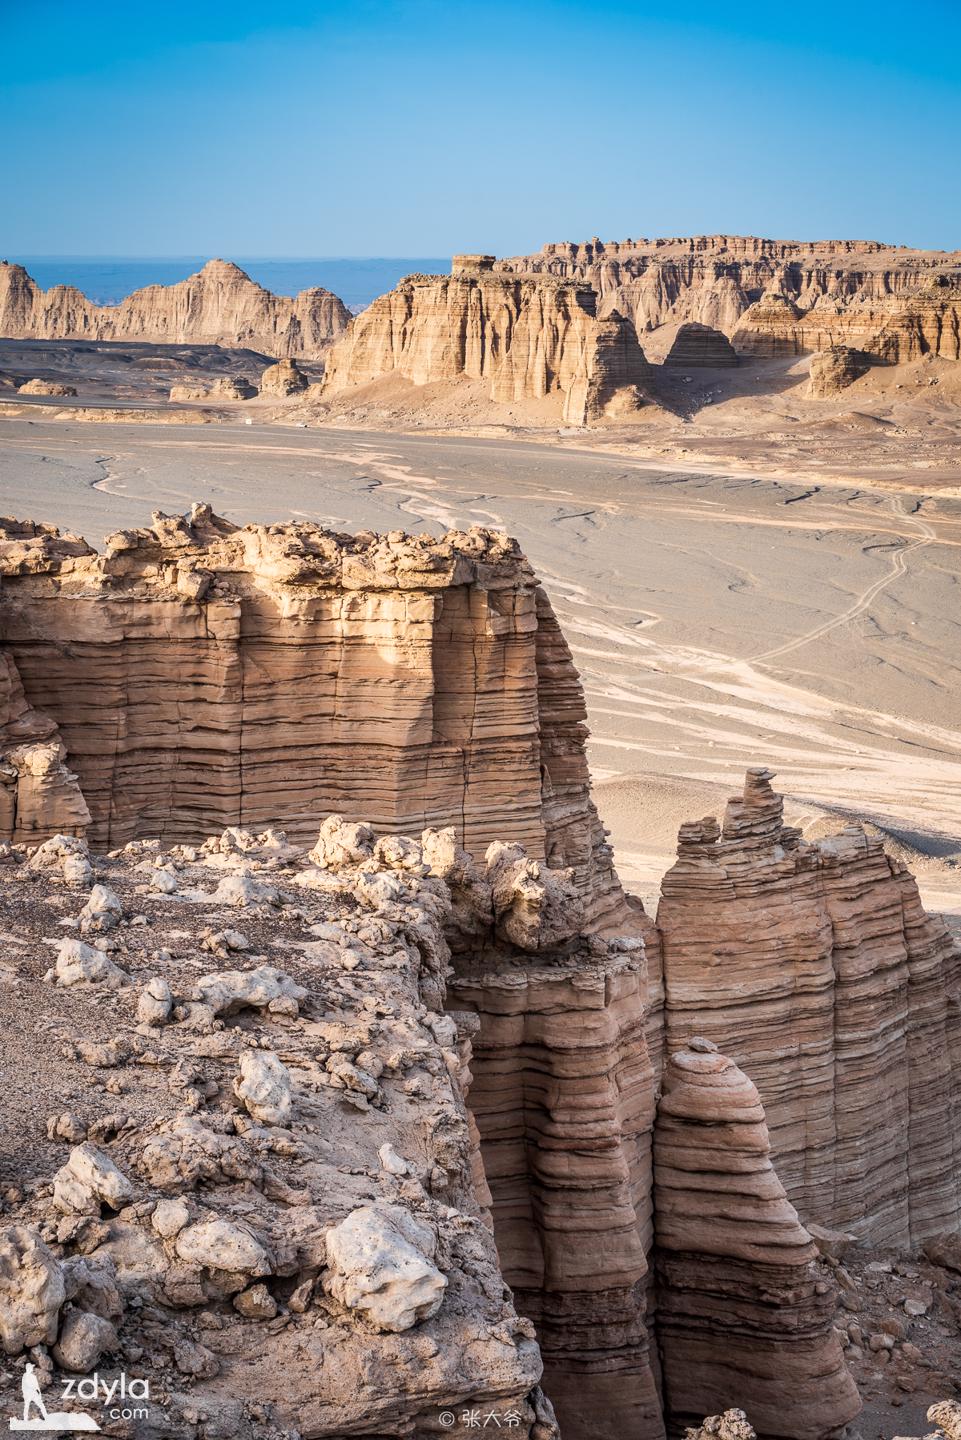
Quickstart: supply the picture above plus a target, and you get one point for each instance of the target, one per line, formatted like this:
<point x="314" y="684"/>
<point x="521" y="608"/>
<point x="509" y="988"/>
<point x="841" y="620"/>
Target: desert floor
<point x="717" y="619"/>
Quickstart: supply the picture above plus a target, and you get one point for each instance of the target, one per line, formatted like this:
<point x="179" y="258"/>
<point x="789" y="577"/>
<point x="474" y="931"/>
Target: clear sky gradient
<point x="416" y="128"/>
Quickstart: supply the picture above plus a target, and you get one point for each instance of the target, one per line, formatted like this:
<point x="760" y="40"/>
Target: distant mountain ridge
<point x="219" y="305"/>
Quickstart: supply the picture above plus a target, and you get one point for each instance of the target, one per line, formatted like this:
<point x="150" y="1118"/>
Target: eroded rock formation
<point x="39" y="795"/>
<point x="316" y="1157"/>
<point x="815" y="967"/>
<point x="220" y="305"/>
<point x="774" y="297"/>
<point x="835" y="369"/>
<point x="204" y="675"/>
<point x="698" y="345"/>
<point x="733" y="1258"/>
<point x="283" y="379"/>
<point x="530" y="338"/>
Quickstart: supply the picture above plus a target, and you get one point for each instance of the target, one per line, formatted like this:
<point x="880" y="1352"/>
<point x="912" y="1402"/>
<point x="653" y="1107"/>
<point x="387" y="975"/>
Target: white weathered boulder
<point x="66" y="853"/>
<point x="102" y="912"/>
<point x="230" y="991"/>
<point x="88" y="1180"/>
<point x="341" y="843"/>
<point x="155" y="1003"/>
<point x="82" y="964"/>
<point x="31" y="1290"/>
<point x="381" y="1264"/>
<point x="390" y="1161"/>
<point x="264" y="1087"/>
<point x="84" y="1337"/>
<point x="535" y="908"/>
<point x="245" y="890"/>
<point x="221" y="1245"/>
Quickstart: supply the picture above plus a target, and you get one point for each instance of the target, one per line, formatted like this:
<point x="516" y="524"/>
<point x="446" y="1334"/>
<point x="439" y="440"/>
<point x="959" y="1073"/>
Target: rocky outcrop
<point x="228" y="387"/>
<point x="733" y="1258"/>
<point x="220" y="305"/>
<point x="46" y="387"/>
<point x="698" y="345"/>
<point x="315" y="1156"/>
<point x="833" y="370"/>
<point x="204" y="675"/>
<point x="270" y="1274"/>
<point x="774" y="297"/>
<point x="770" y="327"/>
<point x="563" y="1096"/>
<point x="815" y="968"/>
<point x="283" y="379"/>
<point x="529" y="338"/>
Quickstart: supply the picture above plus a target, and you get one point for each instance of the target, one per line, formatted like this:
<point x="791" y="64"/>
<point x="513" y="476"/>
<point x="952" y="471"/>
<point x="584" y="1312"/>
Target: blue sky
<point x="419" y="128"/>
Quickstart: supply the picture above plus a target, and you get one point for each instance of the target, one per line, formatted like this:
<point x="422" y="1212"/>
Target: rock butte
<point x="528" y="337"/>
<point x="453" y="1039"/>
<point x="220" y="305"/>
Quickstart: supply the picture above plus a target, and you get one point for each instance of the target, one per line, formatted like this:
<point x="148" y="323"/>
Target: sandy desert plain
<point x="718" y="617"/>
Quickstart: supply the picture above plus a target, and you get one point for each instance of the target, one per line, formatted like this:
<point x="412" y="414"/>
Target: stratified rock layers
<point x="733" y="1259"/>
<point x="774" y="296"/>
<point x="204" y="676"/>
<point x="530" y="337"/>
<point x="816" y="968"/>
<point x="563" y="1097"/>
<point x="220" y="305"/>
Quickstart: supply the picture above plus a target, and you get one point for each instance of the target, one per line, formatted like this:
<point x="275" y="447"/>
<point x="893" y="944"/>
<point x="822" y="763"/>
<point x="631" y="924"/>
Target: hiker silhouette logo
<point x="36" y="1416"/>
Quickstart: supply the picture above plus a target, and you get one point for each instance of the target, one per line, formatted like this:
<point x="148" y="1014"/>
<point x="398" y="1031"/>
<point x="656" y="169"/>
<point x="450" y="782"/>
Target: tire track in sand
<point x="899" y="566"/>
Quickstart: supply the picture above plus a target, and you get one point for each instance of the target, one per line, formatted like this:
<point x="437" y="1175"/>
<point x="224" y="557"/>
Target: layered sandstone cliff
<point x="815" y="967"/>
<point x="774" y="296"/>
<point x="220" y="305"/>
<point x="528" y="338"/>
<point x="204" y="675"/>
<point x="207" y="677"/>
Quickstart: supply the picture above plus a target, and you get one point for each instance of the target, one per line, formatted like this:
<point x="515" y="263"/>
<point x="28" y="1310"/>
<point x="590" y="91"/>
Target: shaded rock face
<point x="896" y="303"/>
<point x="733" y="1258"/>
<point x="835" y="369"/>
<point x="699" y="345"/>
<point x="39" y="795"/>
<point x="220" y="305"/>
<point x="530" y="338"/>
<point x="815" y="967"/>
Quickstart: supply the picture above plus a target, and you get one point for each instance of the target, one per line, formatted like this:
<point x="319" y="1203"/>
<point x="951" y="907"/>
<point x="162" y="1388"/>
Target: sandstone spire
<point x="733" y="1259"/>
<point x="815" y="967"/>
